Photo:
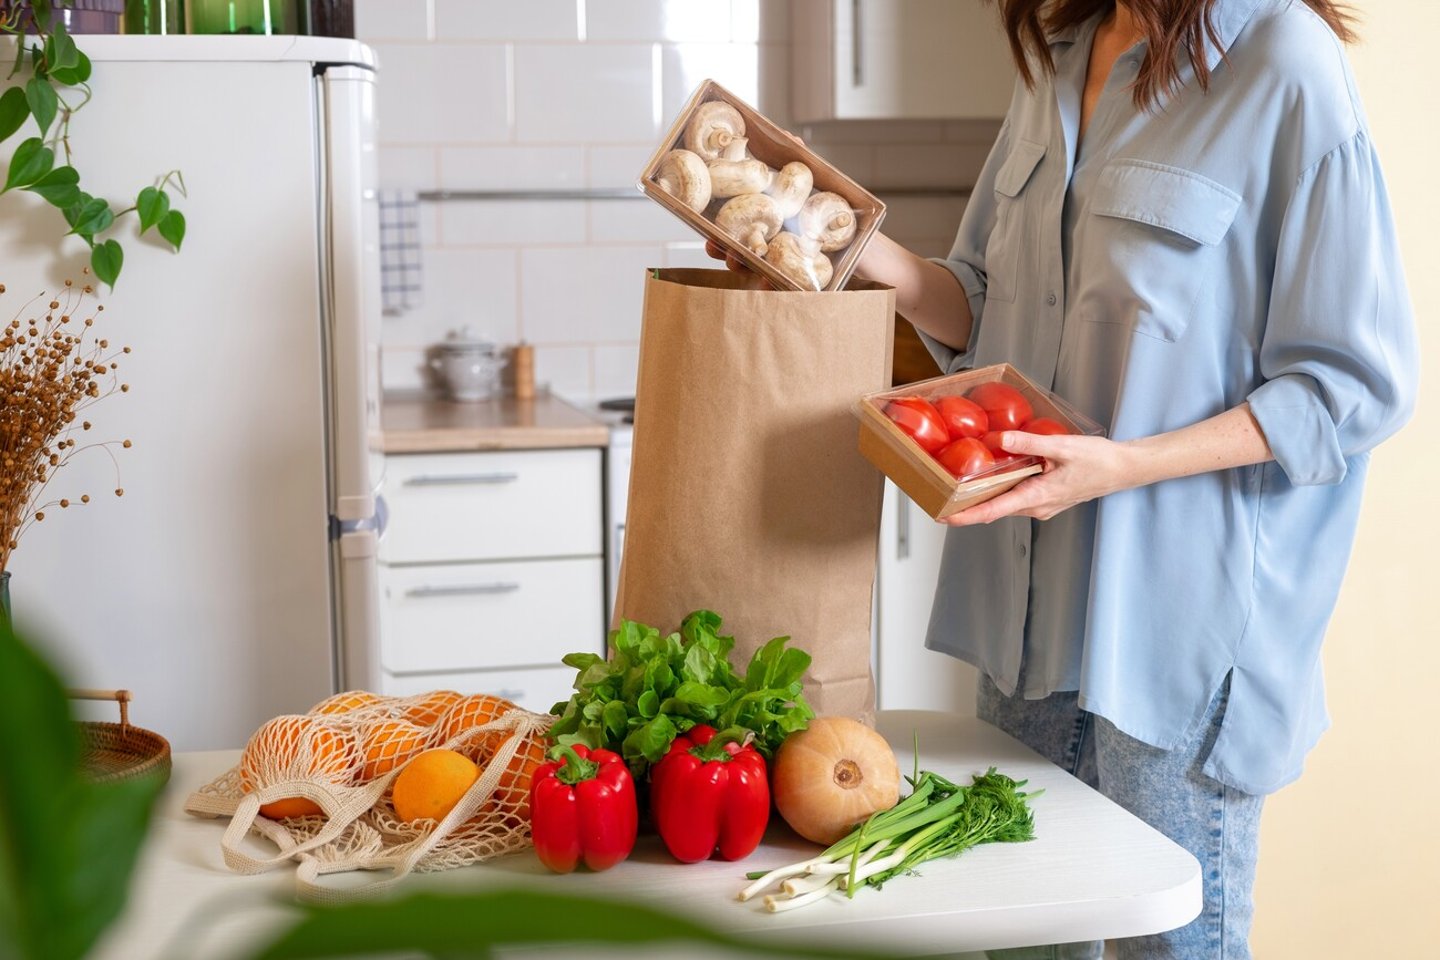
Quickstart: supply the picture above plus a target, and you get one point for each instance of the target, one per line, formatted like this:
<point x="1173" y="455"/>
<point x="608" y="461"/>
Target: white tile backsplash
<point x="435" y="93"/>
<point x="512" y="168"/>
<point x="392" y="19"/>
<point x="583" y="293"/>
<point x="656" y="20"/>
<point x="635" y="221"/>
<point x="567" y="94"/>
<point x="511" y="20"/>
<point x="585" y="93"/>
<point x="512" y="223"/>
<point x="732" y="65"/>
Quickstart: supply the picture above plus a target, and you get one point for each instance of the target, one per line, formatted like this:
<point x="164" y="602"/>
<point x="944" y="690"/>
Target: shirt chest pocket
<point x="1008" y="237"/>
<point x="1152" y="238"/>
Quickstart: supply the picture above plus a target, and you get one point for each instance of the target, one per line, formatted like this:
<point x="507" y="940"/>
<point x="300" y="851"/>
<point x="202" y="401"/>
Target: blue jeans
<point x="1218" y="824"/>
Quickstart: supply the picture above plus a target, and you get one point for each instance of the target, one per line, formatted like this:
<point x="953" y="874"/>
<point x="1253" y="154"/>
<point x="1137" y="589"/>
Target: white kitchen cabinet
<point x="492" y="569"/>
<point x="898" y="60"/>
<point x="908" y="676"/>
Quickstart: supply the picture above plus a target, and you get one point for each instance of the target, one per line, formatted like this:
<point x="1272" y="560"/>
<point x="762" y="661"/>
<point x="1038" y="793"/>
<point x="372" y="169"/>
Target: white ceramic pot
<point x="468" y="369"/>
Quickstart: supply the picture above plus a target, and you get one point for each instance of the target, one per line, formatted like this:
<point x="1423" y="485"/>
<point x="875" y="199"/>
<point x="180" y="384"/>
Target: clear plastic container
<point x="756" y="191"/>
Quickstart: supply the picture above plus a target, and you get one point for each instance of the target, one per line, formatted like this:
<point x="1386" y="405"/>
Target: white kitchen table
<point x="1094" y="871"/>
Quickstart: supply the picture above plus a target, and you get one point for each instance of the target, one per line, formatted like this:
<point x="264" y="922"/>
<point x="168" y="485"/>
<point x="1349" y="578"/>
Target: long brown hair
<point x="1169" y="26"/>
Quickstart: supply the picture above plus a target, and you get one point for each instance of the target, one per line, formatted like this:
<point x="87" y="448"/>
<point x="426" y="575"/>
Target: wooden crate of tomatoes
<point x="939" y="439"/>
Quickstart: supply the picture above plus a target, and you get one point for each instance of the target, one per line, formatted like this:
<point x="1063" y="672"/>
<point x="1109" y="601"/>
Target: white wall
<point x="1350" y="854"/>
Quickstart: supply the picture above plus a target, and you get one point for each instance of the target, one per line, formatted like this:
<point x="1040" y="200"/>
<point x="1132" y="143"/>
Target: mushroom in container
<point x="682" y="174"/>
<point x="791" y="187"/>
<point x="800" y="259"/>
<point x="713" y="127"/>
<point x="827" y="217"/>
<point x="736" y="173"/>
<point x="752" y="218"/>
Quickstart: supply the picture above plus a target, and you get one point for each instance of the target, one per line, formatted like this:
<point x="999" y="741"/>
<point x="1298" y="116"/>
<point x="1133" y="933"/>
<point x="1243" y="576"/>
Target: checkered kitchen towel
<point x="399" y="250"/>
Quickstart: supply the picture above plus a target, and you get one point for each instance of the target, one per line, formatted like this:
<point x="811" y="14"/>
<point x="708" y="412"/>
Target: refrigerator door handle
<point x="461" y="590"/>
<point x="458" y="479"/>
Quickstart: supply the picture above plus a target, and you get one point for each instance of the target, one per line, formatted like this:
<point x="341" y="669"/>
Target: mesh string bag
<point x="317" y="785"/>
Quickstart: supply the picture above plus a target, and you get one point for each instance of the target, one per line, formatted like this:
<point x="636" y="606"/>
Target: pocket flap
<point x="1015" y="172"/>
<point x="1170" y="198"/>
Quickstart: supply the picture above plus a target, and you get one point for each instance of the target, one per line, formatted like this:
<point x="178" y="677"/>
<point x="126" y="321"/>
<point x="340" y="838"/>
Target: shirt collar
<point x="1230" y="17"/>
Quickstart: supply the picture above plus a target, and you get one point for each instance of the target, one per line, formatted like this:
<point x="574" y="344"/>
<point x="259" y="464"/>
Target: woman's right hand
<point x="731" y="261"/>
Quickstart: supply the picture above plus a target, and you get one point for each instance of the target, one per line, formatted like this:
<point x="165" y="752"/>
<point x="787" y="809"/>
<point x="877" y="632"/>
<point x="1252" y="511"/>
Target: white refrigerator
<point x="235" y="579"/>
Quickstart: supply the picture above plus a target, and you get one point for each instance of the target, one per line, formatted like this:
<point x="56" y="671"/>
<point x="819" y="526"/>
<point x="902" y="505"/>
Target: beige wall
<point x="1350" y="854"/>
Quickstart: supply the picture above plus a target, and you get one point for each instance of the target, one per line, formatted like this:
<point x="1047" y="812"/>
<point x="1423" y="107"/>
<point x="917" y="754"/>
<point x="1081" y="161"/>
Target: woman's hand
<point x="1080" y="468"/>
<point x="1077" y="469"/>
<point x="731" y="261"/>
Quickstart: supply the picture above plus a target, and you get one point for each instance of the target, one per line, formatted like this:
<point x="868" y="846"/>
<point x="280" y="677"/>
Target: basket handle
<point x="121" y="697"/>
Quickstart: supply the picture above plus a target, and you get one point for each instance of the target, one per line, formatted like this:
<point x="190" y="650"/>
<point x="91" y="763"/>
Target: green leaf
<point x="650" y="741"/>
<point x="701" y="694"/>
<point x="42" y="13"/>
<point x="614" y="719"/>
<point x="90" y="216"/>
<point x="76" y="75"/>
<point x="473" y="924"/>
<point x="43" y="102"/>
<point x="172" y="228"/>
<point x="60" y="49"/>
<point x="67" y="845"/>
<point x="60" y="187"/>
<point x="151" y="205"/>
<point x="32" y="160"/>
<point x="648" y="704"/>
<point x="14" y="111"/>
<point x="106" y="260"/>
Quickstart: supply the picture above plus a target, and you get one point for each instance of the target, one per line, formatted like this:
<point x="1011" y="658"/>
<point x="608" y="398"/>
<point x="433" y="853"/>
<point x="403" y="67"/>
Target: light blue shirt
<point x="1231" y="245"/>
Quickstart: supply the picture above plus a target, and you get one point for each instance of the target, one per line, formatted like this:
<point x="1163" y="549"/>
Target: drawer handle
<point x="461" y="590"/>
<point x="458" y="479"/>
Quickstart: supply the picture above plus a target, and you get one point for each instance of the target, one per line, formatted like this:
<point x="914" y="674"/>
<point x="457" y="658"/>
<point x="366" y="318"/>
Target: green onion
<point x="938" y="819"/>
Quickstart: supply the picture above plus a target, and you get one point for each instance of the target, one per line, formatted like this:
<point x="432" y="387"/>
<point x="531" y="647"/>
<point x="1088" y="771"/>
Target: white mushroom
<point x="827" y="217"/>
<point x="711" y="129"/>
<point x="682" y="174"/>
<point x="736" y="173"/>
<point x="791" y="186"/>
<point x="752" y="218"/>
<point x="800" y="259"/>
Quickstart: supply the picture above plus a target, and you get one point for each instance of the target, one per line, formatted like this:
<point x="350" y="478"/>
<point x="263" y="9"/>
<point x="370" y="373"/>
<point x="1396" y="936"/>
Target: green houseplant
<point x="47" y="84"/>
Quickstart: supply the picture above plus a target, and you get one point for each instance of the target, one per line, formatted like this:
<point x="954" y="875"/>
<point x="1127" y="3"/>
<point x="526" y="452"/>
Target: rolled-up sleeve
<point x="1338" y="357"/>
<point x="967" y="257"/>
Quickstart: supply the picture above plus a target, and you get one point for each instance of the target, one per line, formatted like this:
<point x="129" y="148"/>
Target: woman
<point x="1181" y="229"/>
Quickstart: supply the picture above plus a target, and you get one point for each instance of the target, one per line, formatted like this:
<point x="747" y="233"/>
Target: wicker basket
<point x="120" y="751"/>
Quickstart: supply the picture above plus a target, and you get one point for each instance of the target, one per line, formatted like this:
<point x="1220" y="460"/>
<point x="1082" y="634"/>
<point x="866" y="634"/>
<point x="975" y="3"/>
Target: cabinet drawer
<point x="476" y="616"/>
<point x="537" y="690"/>
<point x="492" y="506"/>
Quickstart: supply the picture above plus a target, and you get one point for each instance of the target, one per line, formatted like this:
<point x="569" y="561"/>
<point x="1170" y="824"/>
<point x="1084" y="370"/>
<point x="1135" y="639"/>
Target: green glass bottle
<point x="155" y="16"/>
<point x="245" y="16"/>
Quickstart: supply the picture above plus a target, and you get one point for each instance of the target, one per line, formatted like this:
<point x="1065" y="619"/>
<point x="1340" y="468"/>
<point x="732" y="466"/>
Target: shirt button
<point x="1050" y="299"/>
<point x="1024" y="549"/>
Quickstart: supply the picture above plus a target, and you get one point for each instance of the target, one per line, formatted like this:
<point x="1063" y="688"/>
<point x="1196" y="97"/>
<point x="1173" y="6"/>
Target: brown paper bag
<point x="747" y="494"/>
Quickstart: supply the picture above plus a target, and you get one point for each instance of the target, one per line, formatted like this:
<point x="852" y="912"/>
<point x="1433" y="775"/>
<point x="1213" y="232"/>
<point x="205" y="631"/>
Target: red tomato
<point x="1046" y="427"/>
<point x="963" y="417"/>
<point x="965" y="457"/>
<point x="920" y="420"/>
<point x="992" y="443"/>
<point x="1005" y="406"/>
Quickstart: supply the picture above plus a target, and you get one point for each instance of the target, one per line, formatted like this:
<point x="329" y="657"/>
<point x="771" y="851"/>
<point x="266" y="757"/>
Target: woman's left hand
<point x="1077" y="469"/>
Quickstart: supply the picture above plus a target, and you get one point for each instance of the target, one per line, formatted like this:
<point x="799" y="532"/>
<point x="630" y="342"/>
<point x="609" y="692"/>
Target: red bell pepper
<point x="710" y="795"/>
<point x="583" y="807"/>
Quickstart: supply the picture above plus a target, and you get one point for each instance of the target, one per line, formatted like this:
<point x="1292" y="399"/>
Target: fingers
<point x="714" y="250"/>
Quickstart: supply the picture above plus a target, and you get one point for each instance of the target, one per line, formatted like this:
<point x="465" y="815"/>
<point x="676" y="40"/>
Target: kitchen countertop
<point x="1094" y="871"/>
<point x="423" y="424"/>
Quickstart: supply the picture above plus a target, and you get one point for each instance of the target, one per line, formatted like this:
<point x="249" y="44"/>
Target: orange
<point x="295" y="746"/>
<point x="389" y="744"/>
<point x="431" y="785"/>
<point x="475" y="710"/>
<point x="427" y="710"/>
<point x="345" y="702"/>
<point x="512" y="793"/>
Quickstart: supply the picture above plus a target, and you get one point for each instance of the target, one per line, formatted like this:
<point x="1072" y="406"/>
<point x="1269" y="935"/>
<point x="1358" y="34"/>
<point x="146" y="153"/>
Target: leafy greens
<point x="653" y="688"/>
